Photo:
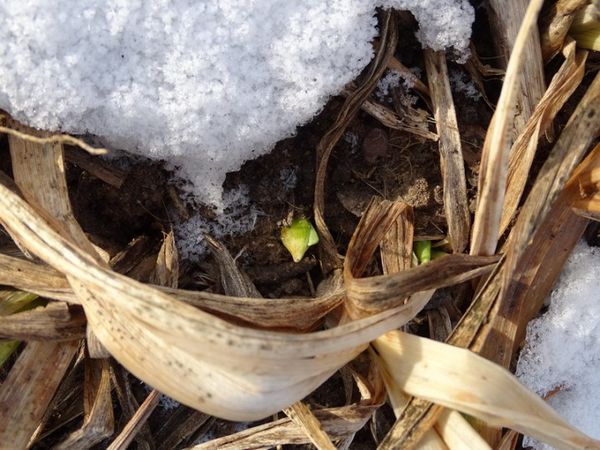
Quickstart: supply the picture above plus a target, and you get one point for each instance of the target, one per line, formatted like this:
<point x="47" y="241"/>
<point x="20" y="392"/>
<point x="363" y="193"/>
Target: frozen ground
<point x="562" y="357"/>
<point x="206" y="84"/>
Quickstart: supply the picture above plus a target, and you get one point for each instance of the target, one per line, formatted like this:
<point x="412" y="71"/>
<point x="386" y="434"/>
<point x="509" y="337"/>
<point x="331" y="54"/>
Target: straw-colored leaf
<point x="555" y="23"/>
<point x="198" y="359"/>
<point x="130" y="430"/>
<point x="340" y="423"/>
<point x="166" y="272"/>
<point x="458" y="433"/>
<point x="416" y="123"/>
<point x="305" y="419"/>
<point x="98" y="421"/>
<point x="29" y="387"/>
<point x="451" y="430"/>
<point x="539" y="269"/>
<point x="568" y="151"/>
<point x="461" y="380"/>
<point x="407" y="74"/>
<point x="369" y="295"/>
<point x="293" y="313"/>
<point x="55" y="322"/>
<point x="456" y="205"/>
<point x="494" y="159"/>
<point x="506" y="20"/>
<point x="523" y="151"/>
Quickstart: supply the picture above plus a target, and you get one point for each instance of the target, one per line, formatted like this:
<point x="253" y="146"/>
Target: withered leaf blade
<point x="523" y="151"/>
<point x="389" y="39"/>
<point x="55" y="322"/>
<point x="494" y="159"/>
<point x="456" y="205"/>
<point x="461" y="380"/>
<point x="27" y="391"/>
<point x="98" y="421"/>
<point x="166" y="272"/>
<point x="568" y="151"/>
<point x="147" y="318"/>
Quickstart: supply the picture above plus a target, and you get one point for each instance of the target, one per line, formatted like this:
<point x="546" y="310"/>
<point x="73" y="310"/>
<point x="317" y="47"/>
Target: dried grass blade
<point x="555" y="23"/>
<point x="13" y="128"/>
<point x="461" y="380"/>
<point x="294" y="313"/>
<point x="396" y="249"/>
<point x="129" y="406"/>
<point x="133" y="427"/>
<point x="457" y="433"/>
<point x="538" y="270"/>
<point x="235" y="282"/>
<point x="397" y="244"/>
<point x="451" y="159"/>
<point x="180" y="427"/>
<point x="27" y="391"/>
<point x="12" y="302"/>
<point x="509" y="441"/>
<point x="166" y="272"/>
<point x="55" y="322"/>
<point x="369" y="295"/>
<point x="39" y="172"/>
<point x="588" y="208"/>
<point x="337" y="422"/>
<point x="413" y="427"/>
<point x="375" y="222"/>
<point x="302" y="416"/>
<point x="563" y="84"/>
<point x="406" y="73"/>
<point x="28" y="276"/>
<point x="430" y="439"/>
<point x="419" y="415"/>
<point x="494" y="159"/>
<point x="386" y="291"/>
<point x="330" y="259"/>
<point x="98" y="423"/>
<point x="389" y="118"/>
<point x="94" y="166"/>
<point x="505" y="20"/>
<point x="258" y="370"/>
<point x="568" y="151"/>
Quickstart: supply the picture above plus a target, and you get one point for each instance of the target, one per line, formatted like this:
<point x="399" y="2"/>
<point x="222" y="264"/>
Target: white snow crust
<point x="203" y="84"/>
<point x="562" y="353"/>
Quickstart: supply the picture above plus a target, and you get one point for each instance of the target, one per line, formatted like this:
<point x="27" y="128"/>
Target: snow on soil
<point x="205" y="84"/>
<point x="562" y="356"/>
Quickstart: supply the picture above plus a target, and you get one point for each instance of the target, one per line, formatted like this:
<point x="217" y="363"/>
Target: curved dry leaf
<point x="523" y="151"/>
<point x="297" y="313"/>
<point x="459" y="379"/>
<point x="496" y="148"/>
<point x="370" y="295"/>
<point x="202" y="361"/>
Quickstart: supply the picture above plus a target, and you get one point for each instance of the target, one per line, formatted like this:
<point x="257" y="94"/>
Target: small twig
<point x="134" y="425"/>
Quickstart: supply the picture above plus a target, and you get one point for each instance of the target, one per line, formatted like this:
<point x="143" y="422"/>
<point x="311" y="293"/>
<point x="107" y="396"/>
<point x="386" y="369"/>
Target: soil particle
<point x="375" y="145"/>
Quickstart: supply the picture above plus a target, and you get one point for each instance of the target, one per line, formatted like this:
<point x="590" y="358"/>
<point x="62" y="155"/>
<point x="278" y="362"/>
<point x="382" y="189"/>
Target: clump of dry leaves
<point x="242" y="357"/>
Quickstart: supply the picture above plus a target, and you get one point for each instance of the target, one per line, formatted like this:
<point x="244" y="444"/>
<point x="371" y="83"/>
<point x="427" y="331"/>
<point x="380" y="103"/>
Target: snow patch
<point x="238" y="216"/>
<point x="460" y="82"/>
<point x="562" y="352"/>
<point x="205" y="85"/>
